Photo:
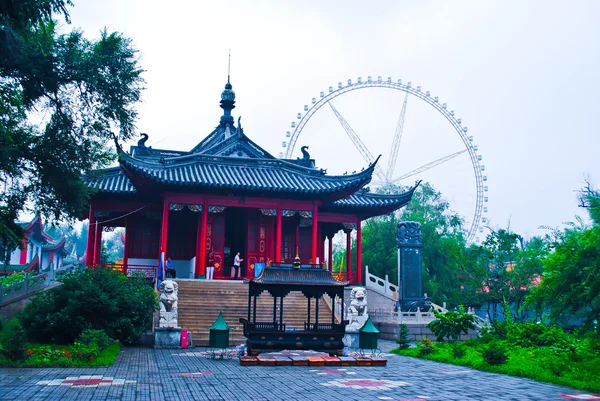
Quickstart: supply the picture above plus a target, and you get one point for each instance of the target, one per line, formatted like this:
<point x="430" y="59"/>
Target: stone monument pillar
<point x="410" y="244"/>
<point x="168" y="334"/>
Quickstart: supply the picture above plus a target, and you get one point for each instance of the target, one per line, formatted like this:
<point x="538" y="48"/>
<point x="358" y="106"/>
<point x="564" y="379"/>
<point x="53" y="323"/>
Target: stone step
<point x="200" y="302"/>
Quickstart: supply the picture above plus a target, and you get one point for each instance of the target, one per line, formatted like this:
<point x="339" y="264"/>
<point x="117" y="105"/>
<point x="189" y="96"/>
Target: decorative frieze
<point x="349" y="226"/>
<point x="269" y="212"/>
<point x="177" y="207"/>
<point x="306" y="214"/>
<point x="216" y="209"/>
<point x="288" y="213"/>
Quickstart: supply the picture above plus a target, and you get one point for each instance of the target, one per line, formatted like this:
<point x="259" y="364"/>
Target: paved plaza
<point x="147" y="374"/>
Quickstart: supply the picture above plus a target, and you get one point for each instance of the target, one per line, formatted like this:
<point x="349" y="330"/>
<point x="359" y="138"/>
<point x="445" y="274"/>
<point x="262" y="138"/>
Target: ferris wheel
<point x="386" y="177"/>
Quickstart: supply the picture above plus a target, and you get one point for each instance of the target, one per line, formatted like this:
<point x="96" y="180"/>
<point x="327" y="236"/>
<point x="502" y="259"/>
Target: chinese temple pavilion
<point x="40" y="251"/>
<point x="227" y="195"/>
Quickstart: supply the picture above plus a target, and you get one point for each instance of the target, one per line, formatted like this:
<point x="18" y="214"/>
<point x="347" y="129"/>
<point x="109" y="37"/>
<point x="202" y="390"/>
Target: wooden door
<point x="215" y="241"/>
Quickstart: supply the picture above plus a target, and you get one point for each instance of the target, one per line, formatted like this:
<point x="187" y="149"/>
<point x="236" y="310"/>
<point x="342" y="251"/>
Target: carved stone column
<point x="410" y="244"/>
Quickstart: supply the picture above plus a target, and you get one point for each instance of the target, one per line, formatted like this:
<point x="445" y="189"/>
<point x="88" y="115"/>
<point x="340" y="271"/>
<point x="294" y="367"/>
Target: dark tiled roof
<point x="268" y="175"/>
<point x="111" y="180"/>
<point x="300" y="277"/>
<point x="369" y="200"/>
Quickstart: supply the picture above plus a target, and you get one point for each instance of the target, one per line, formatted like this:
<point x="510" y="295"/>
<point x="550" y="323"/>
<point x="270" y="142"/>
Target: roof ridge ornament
<point x="227" y="97"/>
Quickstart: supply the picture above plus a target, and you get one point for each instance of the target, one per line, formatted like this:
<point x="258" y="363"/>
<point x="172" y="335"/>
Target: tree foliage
<point x="445" y="254"/>
<point x="62" y="97"/>
<point x="451" y="324"/>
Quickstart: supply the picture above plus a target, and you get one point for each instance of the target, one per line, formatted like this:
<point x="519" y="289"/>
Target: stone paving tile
<point x="147" y="374"/>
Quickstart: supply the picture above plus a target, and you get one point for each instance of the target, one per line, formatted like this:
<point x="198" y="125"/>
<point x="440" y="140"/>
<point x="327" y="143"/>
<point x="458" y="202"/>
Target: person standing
<point x="210" y="269"/>
<point x="170" y="272"/>
<point x="235" y="272"/>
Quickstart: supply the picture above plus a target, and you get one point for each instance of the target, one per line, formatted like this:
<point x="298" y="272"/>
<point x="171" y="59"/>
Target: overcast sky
<point x="522" y="75"/>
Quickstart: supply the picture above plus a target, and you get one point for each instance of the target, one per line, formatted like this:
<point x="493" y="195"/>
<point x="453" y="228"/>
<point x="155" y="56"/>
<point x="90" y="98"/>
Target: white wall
<point x="15" y="257"/>
<point x="147" y="262"/>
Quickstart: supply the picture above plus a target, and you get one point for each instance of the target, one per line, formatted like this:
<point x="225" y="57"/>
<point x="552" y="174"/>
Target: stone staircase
<point x="200" y="302"/>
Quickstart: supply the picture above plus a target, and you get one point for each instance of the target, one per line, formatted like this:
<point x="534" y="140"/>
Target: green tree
<point x="82" y="91"/>
<point x="446" y="259"/>
<point x="571" y="279"/>
<point x="570" y="283"/>
<point x="452" y="324"/>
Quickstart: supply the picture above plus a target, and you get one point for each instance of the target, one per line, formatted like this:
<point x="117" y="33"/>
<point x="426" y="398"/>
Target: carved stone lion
<point x="168" y="303"/>
<point x="168" y="296"/>
<point x="357" y="311"/>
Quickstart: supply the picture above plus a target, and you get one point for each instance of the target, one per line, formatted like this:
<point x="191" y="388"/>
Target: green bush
<point x="403" y="339"/>
<point x="99" y="299"/>
<point x="425" y="347"/>
<point x="458" y="350"/>
<point x="495" y="353"/>
<point x="537" y="335"/>
<point x="451" y="325"/>
<point x="12" y="341"/>
<point x="99" y="337"/>
<point x="85" y="351"/>
<point x="11" y="279"/>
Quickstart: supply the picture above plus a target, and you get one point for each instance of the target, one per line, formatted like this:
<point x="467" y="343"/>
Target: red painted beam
<point x="239" y="201"/>
<point x="120" y="206"/>
<point x="337" y="218"/>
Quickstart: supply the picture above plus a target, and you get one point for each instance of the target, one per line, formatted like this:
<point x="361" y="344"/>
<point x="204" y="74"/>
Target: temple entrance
<point x="236" y="221"/>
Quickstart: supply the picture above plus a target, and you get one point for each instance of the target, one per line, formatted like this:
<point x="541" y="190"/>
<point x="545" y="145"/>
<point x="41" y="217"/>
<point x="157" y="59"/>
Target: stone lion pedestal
<point x="168" y="334"/>
<point x="357" y="316"/>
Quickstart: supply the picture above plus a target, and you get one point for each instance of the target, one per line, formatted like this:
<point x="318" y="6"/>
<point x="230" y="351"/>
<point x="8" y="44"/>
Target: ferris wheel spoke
<point x="428" y="166"/>
<point x="397" y="140"/>
<point x="362" y="148"/>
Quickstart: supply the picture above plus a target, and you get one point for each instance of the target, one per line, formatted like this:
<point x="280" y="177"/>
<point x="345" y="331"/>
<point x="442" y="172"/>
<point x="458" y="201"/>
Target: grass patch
<point x="42" y="355"/>
<point x="541" y="363"/>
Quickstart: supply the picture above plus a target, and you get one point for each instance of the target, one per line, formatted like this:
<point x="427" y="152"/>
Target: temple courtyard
<point x="148" y="374"/>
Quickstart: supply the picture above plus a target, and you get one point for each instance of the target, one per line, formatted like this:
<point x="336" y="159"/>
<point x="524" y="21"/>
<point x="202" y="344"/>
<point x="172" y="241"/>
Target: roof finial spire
<point x="228" y="97"/>
<point x="229" y="66"/>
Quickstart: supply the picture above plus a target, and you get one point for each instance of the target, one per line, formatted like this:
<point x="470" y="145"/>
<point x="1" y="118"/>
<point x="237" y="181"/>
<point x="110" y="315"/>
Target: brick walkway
<point x="147" y="374"/>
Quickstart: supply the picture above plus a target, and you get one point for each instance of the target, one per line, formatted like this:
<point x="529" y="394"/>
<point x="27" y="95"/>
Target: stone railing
<point x="381" y="286"/>
<point x="28" y="285"/>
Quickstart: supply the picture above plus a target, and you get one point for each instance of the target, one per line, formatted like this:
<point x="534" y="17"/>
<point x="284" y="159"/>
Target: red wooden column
<point x="97" y="243"/>
<point x="359" y="271"/>
<point x="91" y="239"/>
<point x="330" y="254"/>
<point x="315" y="223"/>
<point x="23" y="255"/>
<point x="127" y="244"/>
<point x="164" y="233"/>
<point x="278" y="236"/>
<point x="348" y="254"/>
<point x="201" y="243"/>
